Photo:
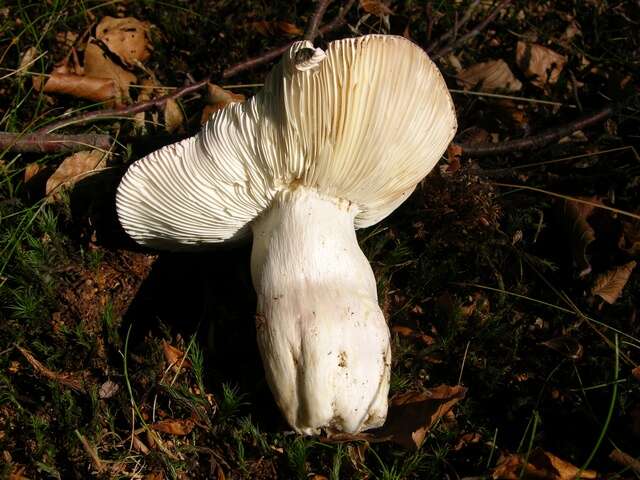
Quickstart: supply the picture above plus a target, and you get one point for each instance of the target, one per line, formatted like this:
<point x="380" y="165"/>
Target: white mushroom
<point x="336" y="140"/>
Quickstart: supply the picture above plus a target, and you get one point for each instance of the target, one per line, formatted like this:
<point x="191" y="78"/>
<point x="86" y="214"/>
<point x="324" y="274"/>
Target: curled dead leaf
<point x="26" y="60"/>
<point x="174" y="427"/>
<point x="630" y="238"/>
<point x="217" y="99"/>
<point x="89" y="88"/>
<point x="376" y="7"/>
<point x="412" y="414"/>
<point x="74" y="168"/>
<point x="174" y="356"/>
<point x="541" y="465"/>
<point x="491" y="76"/>
<point x="609" y="285"/>
<point x="573" y="218"/>
<point x="97" y="64"/>
<point x="411" y="333"/>
<point x="541" y="63"/>
<point x="126" y="37"/>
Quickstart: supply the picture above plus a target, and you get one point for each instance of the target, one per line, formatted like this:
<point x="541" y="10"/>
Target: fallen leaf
<point x="97" y="64"/>
<point x="75" y="381"/>
<point x="66" y="39"/>
<point x="376" y="7"/>
<point x="173" y="117"/>
<point x="636" y="373"/>
<point x="289" y="28"/>
<point x="90" y="88"/>
<point x="541" y="63"/>
<point x="573" y="217"/>
<point x="411" y="333"/>
<point x="624" y="459"/>
<point x="154" y="476"/>
<point x="630" y="238"/>
<point x="17" y="473"/>
<point x="609" y="285"/>
<point x="174" y="356"/>
<point x="27" y="58"/>
<point x="31" y="170"/>
<point x="541" y="465"/>
<point x="174" y="427"/>
<point x="108" y="389"/>
<point x="217" y="99"/>
<point x="567" y="346"/>
<point x="75" y="168"/>
<point x="491" y="76"/>
<point x="139" y="445"/>
<point x="126" y="37"/>
<point x="466" y="440"/>
<point x="412" y="414"/>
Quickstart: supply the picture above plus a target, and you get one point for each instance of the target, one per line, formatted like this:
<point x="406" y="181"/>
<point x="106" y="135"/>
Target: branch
<point x="536" y="141"/>
<point x="456" y="27"/>
<point x="336" y="23"/>
<point x="52" y="143"/>
<point x="121" y="112"/>
<point x="472" y="33"/>
<point x="312" y="30"/>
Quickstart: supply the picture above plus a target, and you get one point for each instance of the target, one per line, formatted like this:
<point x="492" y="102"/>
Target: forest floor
<point x="508" y="279"/>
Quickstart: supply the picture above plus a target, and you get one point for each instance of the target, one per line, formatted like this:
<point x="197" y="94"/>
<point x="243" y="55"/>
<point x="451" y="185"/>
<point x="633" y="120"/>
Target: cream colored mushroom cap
<point x="364" y="121"/>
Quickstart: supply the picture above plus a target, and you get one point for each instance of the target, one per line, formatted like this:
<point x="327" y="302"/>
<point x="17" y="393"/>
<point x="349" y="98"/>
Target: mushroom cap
<point x="364" y="121"/>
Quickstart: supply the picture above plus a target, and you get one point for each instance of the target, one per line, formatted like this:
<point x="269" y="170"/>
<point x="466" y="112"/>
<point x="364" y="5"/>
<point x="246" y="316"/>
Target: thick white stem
<point x="322" y="336"/>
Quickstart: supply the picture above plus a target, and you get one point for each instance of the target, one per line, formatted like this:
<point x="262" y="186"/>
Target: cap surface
<point x="364" y="121"/>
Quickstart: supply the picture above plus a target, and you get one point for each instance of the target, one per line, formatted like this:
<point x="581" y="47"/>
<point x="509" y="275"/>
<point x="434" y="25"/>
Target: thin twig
<point x="473" y="32"/>
<point x="52" y="143"/>
<point x="536" y="141"/>
<point x="120" y="112"/>
<point x="91" y="451"/>
<point x="312" y="30"/>
<point x="336" y="23"/>
<point x="456" y="27"/>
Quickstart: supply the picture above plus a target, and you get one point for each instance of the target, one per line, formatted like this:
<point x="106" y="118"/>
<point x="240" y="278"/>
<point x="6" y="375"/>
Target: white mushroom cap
<point x="364" y="121"/>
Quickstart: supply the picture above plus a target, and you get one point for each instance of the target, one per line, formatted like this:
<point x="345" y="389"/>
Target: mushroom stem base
<point x="322" y="336"/>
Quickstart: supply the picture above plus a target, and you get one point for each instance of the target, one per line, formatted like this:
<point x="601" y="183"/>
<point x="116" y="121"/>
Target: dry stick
<point x="456" y="27"/>
<point x="312" y="30"/>
<point x="536" y="141"/>
<point x="473" y="32"/>
<point x="43" y="141"/>
<point x="276" y="52"/>
<point x="52" y="143"/>
<point x="119" y="112"/>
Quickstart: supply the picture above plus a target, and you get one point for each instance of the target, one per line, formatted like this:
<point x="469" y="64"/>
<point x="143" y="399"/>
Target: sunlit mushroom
<point x="335" y="141"/>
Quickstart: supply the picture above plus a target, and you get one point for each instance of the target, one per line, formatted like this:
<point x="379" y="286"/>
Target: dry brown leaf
<point x="98" y="64"/>
<point x="74" y="168"/>
<point x="609" y="285"/>
<point x="467" y="439"/>
<point x="108" y="389"/>
<point x="541" y="63"/>
<point x="174" y="356"/>
<point x="636" y="373"/>
<point x="573" y="217"/>
<point x="26" y="60"/>
<point x="173" y="117"/>
<point x="490" y="76"/>
<point x="541" y="465"/>
<point x="289" y="28"/>
<point x="90" y="88"/>
<point x="139" y="445"/>
<point x="412" y="414"/>
<point x="66" y="39"/>
<point x="376" y="7"/>
<point x="174" y="427"/>
<point x="624" y="459"/>
<point x="217" y="99"/>
<point x="567" y="346"/>
<point x="144" y="95"/>
<point x="75" y="381"/>
<point x="411" y="333"/>
<point x="126" y="37"/>
<point x="154" y="476"/>
<point x="17" y="473"/>
<point x="630" y="238"/>
<point x="31" y="170"/>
